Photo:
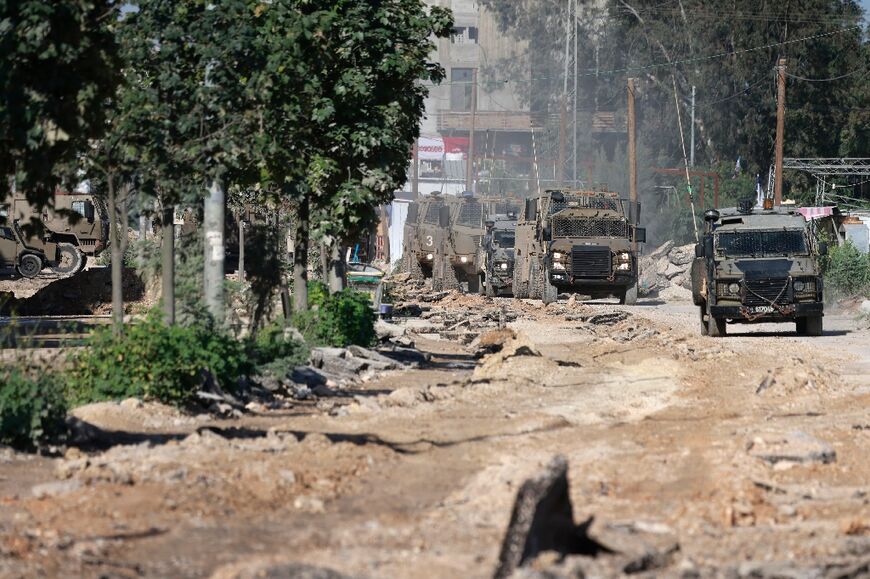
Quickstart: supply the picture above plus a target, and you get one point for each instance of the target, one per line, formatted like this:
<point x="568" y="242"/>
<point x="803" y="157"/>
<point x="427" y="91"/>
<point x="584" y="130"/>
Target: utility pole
<point x="780" y="131"/>
<point x="469" y="165"/>
<point x="213" y="224"/>
<point x="692" y="132"/>
<point x="167" y="261"/>
<point x="563" y="135"/>
<point x="242" y="215"/>
<point x="415" y="170"/>
<point x="632" y="158"/>
<point x="574" y="32"/>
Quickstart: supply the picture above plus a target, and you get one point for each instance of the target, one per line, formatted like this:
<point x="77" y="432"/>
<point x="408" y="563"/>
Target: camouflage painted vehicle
<point x="19" y="259"/>
<point x="425" y="229"/>
<point x="496" y="256"/>
<point x="456" y="265"/>
<point x="577" y="241"/>
<point x="757" y="265"/>
<point x="78" y="224"/>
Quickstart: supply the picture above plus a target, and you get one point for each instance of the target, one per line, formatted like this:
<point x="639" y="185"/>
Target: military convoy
<point x="577" y="241"/>
<point x="757" y="265"/>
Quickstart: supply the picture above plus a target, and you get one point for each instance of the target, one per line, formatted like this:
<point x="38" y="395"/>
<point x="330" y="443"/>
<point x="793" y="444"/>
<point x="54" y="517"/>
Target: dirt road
<point x="750" y="453"/>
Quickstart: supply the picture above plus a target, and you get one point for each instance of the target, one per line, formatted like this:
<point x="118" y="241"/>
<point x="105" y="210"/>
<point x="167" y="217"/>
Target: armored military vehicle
<point x="78" y="224"/>
<point x="425" y="229"/>
<point x="757" y="265"/>
<point x="577" y="241"/>
<point x="456" y="264"/>
<point x="17" y="257"/>
<point x="496" y="255"/>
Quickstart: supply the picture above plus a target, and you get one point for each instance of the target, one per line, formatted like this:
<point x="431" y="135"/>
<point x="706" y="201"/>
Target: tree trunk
<point x="300" y="258"/>
<point x="242" y="246"/>
<point x="213" y="222"/>
<point x="337" y="277"/>
<point x="117" y="261"/>
<point x="167" y="257"/>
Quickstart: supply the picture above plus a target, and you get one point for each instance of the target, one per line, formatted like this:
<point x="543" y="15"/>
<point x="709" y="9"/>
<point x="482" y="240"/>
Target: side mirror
<point x="634" y="213"/>
<point x="548" y="232"/>
<point x="823" y="248"/>
<point x="444" y="217"/>
<point x="640" y="234"/>
<point x="708" y="246"/>
<point x="89" y="211"/>
<point x="531" y="210"/>
<point x="699" y="250"/>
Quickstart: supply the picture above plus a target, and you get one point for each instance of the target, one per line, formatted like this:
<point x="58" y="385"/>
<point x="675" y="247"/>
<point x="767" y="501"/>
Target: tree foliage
<point x="59" y="66"/>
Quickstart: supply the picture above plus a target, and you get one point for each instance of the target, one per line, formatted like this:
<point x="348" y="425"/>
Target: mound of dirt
<point x="85" y="294"/>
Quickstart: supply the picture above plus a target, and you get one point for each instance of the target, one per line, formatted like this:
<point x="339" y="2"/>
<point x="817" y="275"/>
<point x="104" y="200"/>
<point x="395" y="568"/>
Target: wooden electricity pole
<point x="563" y="135"/>
<point x="780" y="131"/>
<point x="213" y="274"/>
<point x="469" y="164"/>
<point x="632" y="158"/>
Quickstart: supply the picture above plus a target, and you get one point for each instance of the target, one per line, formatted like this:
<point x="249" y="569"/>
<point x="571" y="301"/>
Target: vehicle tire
<point x="536" y="289"/>
<point x="705" y="331"/>
<point x="84" y="263"/>
<point x="813" y="325"/>
<point x="629" y="297"/>
<point x="518" y="286"/>
<point x="70" y="259"/>
<point x="437" y="274"/>
<point x="473" y="283"/>
<point x="29" y="265"/>
<point x="451" y="282"/>
<point x="488" y="289"/>
<point x="801" y="326"/>
<point x="549" y="293"/>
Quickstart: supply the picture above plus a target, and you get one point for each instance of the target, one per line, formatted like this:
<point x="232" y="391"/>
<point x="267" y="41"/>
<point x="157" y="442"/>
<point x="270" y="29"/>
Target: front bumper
<point x="783" y="313"/>
<point x="566" y="280"/>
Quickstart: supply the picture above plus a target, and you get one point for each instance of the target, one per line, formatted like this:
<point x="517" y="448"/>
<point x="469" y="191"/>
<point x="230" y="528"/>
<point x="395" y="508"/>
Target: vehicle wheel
<point x="549" y="293"/>
<point x="84" y="263"/>
<point x="629" y="298"/>
<point x="813" y="325"/>
<point x="473" y="283"/>
<point x="801" y="326"/>
<point x="518" y="286"/>
<point x="437" y="274"/>
<point x="70" y="259"/>
<point x="451" y="282"/>
<point x="488" y="289"/>
<point x="536" y="290"/>
<point x="704" y="329"/>
<point x="29" y="265"/>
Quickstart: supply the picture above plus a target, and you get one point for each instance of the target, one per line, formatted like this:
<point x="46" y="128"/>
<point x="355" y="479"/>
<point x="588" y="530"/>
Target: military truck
<point x="78" y="224"/>
<point x="18" y="258"/>
<point x="496" y="255"/>
<point x="425" y="229"/>
<point x="577" y="241"/>
<point x="456" y="264"/>
<point x="757" y="265"/>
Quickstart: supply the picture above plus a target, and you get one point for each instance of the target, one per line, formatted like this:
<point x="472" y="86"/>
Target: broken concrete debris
<point x="795" y="447"/>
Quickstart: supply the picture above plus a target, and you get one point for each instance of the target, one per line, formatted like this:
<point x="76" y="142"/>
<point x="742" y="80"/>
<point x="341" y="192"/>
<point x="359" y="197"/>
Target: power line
<point x="848" y="74"/>
<point x="673" y="63"/>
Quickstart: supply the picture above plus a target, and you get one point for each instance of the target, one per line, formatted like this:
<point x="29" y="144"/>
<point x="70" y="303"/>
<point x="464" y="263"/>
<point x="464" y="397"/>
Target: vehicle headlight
<point x="557" y="255"/>
<point x="624" y="256"/>
<point x="463" y="259"/>
<point x="503" y="266"/>
<point x="558" y="265"/>
<point x="799" y="286"/>
<point x="734" y="288"/>
<point x="429" y="256"/>
<point x="624" y="266"/>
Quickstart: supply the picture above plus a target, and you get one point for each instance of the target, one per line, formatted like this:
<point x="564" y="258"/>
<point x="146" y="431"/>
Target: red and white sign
<point x="811" y="213"/>
<point x="430" y="148"/>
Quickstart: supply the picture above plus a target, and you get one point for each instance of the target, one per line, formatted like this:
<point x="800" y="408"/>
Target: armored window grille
<point x="585" y="202"/>
<point x="568" y="227"/>
<point x="431" y="214"/>
<point x="759" y="243"/>
<point x="470" y="214"/>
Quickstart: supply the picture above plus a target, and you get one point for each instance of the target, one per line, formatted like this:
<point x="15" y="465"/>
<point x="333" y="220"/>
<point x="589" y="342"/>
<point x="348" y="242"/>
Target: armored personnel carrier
<point x="577" y="241"/>
<point x="425" y="229"/>
<point x="17" y="258"/>
<point x="757" y="265"/>
<point x="496" y="256"/>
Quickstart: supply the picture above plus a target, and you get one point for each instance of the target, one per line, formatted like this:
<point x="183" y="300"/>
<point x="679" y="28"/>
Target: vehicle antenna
<point x="685" y="158"/>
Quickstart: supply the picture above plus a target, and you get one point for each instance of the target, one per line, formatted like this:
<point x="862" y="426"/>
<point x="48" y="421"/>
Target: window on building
<point x="460" y="89"/>
<point x="464" y="35"/>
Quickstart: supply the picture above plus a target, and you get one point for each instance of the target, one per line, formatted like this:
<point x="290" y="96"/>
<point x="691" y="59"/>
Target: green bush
<point x="274" y="351"/>
<point x="340" y="319"/>
<point x="152" y="360"/>
<point x="847" y="270"/>
<point x="32" y="409"/>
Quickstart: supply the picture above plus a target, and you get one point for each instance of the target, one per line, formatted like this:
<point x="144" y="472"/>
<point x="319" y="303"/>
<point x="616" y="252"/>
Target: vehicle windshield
<point x="504" y="238"/>
<point x="762" y="243"/>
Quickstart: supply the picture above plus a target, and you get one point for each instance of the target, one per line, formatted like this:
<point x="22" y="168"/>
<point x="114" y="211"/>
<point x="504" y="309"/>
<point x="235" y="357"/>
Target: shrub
<point x="340" y="319"/>
<point x="848" y="270"/>
<point x="32" y="409"/>
<point x="155" y="361"/>
<point x="274" y="350"/>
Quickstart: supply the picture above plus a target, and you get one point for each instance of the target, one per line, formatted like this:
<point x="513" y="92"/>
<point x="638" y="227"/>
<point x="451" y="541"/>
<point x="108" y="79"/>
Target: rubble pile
<point x="665" y="271"/>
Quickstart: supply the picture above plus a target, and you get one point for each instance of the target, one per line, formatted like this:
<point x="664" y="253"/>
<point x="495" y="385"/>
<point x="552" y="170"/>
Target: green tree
<point x="59" y="65"/>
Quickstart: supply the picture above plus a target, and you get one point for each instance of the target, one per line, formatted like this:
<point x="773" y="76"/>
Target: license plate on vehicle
<point x="761" y="310"/>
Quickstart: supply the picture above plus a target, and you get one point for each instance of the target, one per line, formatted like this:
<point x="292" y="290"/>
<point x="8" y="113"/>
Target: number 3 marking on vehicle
<point x="428" y="240"/>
